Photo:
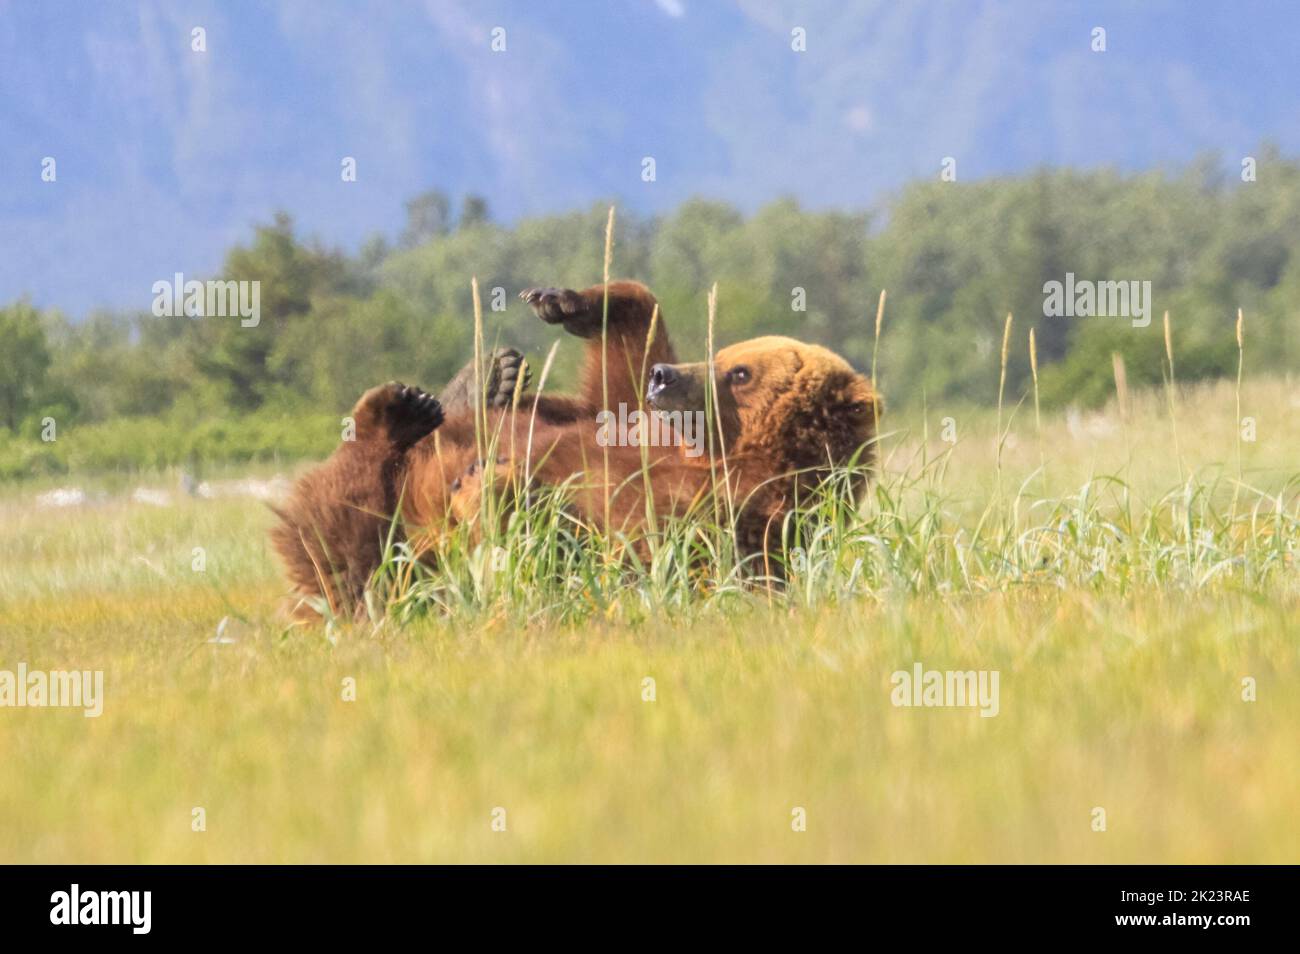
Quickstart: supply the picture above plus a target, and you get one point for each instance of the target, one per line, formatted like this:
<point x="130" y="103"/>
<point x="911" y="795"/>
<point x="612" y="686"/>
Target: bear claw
<point x="553" y="305"/>
<point x="411" y="414"/>
<point x="503" y="367"/>
<point x="509" y="375"/>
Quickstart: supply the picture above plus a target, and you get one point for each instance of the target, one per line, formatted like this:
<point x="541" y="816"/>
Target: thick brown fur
<point x="786" y="412"/>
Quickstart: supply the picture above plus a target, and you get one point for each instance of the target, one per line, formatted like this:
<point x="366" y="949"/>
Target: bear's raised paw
<point x="555" y="305"/>
<point x="397" y="414"/>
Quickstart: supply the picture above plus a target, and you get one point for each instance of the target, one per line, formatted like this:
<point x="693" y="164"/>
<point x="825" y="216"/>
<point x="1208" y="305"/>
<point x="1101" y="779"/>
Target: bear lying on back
<point x="786" y="413"/>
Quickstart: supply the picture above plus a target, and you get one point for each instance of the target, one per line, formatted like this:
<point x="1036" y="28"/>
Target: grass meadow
<point x="1124" y="571"/>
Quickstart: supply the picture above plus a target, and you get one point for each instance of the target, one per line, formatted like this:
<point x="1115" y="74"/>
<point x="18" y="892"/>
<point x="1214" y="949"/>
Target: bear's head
<point x="795" y="406"/>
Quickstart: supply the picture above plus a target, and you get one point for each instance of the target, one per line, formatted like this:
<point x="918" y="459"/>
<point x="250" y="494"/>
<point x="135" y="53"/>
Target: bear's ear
<point x="852" y="413"/>
<point x="850" y="394"/>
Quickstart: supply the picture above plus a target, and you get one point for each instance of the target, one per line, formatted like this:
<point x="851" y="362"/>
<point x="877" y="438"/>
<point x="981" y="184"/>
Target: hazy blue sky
<point x="166" y="157"/>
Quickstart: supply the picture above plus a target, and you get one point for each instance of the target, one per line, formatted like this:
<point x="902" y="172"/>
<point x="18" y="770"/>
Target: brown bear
<point x="786" y="412"/>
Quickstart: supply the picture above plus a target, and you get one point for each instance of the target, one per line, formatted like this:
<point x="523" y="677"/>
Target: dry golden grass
<point x="1116" y="694"/>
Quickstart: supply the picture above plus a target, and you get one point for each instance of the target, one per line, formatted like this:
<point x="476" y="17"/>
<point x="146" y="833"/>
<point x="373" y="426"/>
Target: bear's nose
<point x="662" y="376"/>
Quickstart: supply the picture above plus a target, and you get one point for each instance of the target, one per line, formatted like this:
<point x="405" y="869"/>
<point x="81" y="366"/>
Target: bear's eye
<point x="738" y="375"/>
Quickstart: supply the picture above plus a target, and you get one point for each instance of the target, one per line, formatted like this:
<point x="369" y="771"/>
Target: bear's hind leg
<point x="334" y="525"/>
<point x="395" y="415"/>
<point x="507" y="374"/>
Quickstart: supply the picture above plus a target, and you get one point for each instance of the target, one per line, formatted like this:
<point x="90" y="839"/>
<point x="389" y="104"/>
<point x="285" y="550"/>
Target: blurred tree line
<point x="955" y="258"/>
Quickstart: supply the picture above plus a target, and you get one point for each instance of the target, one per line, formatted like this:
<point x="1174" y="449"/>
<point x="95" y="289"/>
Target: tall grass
<point x="875" y="354"/>
<point x="1170" y="386"/>
<point x="906" y="539"/>
<point x="1038" y="411"/>
<point x="1002" y="386"/>
<point x="1236" y="421"/>
<point x="604" y="344"/>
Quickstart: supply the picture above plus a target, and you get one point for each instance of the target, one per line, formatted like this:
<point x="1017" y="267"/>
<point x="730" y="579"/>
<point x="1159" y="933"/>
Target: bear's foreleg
<point x="620" y="347"/>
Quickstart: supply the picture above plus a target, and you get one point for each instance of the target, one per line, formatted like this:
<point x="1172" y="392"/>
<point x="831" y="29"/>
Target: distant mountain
<point x="165" y="155"/>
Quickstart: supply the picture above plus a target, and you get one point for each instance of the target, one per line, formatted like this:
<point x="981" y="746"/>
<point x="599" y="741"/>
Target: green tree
<point x="234" y="358"/>
<point x="473" y="211"/>
<point x="24" y="362"/>
<point x="428" y="216"/>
